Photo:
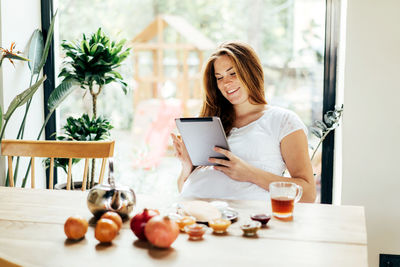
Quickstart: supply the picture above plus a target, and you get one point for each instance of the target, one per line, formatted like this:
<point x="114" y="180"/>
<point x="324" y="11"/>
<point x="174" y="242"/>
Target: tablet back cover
<point x="200" y="136"/>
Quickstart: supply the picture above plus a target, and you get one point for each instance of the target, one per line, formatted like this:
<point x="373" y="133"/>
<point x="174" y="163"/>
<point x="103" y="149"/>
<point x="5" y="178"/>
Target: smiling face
<point x="228" y="82"/>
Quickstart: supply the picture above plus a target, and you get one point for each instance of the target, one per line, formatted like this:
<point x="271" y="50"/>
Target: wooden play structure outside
<point x="155" y="113"/>
<point x="153" y="39"/>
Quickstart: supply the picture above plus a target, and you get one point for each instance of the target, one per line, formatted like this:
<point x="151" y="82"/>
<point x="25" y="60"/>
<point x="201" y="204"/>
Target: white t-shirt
<point x="257" y="143"/>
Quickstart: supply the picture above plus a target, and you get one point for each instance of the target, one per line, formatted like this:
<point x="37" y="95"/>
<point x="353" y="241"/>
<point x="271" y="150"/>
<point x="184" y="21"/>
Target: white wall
<point x="371" y="122"/>
<point x="18" y="20"/>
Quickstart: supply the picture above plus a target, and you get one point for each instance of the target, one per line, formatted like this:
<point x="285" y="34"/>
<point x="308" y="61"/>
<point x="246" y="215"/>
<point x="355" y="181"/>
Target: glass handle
<point x="299" y="193"/>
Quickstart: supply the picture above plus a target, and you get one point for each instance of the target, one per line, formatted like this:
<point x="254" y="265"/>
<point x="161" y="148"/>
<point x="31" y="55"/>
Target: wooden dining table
<point x="32" y="234"/>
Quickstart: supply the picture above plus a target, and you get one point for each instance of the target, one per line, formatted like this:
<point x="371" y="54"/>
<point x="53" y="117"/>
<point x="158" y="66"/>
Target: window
<point x="288" y="35"/>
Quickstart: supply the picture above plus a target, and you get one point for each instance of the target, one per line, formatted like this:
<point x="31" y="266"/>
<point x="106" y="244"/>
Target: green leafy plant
<point x="330" y="122"/>
<point x="86" y="129"/>
<point x="37" y="56"/>
<point x="91" y="62"/>
<point x="82" y="129"/>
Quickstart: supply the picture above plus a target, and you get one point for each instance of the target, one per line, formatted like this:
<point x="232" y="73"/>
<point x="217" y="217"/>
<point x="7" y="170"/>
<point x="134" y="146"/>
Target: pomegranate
<point x="138" y="222"/>
<point x="161" y="231"/>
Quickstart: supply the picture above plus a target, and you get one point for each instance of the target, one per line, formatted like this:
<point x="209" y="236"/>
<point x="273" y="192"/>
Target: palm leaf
<point x="59" y="94"/>
<point x="48" y="42"/>
<point x="35" y="51"/>
<point x="22" y="98"/>
<point x="1" y="119"/>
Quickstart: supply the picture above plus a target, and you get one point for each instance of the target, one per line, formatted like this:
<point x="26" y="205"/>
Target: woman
<point x="264" y="140"/>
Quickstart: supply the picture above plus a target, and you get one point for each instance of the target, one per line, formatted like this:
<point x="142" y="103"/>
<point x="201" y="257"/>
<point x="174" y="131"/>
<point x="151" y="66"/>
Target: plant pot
<point x="63" y="186"/>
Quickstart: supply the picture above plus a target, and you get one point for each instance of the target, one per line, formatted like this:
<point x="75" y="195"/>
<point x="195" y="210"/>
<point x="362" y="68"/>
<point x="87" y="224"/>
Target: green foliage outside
<point x="288" y="35"/>
<point x="268" y="25"/>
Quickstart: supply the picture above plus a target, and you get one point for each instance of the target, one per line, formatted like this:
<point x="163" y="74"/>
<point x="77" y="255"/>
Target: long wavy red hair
<point x="249" y="71"/>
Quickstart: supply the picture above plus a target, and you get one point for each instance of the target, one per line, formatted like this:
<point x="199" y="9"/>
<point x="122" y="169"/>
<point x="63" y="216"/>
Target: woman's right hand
<point x="182" y="154"/>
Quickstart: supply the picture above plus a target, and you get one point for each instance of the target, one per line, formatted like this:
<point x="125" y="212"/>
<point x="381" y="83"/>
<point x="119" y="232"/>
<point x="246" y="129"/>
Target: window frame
<point x="49" y="84"/>
<point x="332" y="26"/>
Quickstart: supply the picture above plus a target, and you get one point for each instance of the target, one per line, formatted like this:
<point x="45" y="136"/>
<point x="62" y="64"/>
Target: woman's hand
<point x="182" y="154"/>
<point x="234" y="167"/>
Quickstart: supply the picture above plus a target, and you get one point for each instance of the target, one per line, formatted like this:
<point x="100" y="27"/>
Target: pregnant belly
<point x="205" y="182"/>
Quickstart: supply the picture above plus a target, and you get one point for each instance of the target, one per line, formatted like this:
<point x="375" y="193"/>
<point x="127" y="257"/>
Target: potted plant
<point x="92" y="63"/>
<point x="81" y="129"/>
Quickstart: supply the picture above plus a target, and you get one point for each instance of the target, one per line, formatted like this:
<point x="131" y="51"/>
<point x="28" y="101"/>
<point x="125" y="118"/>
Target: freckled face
<point x="228" y="82"/>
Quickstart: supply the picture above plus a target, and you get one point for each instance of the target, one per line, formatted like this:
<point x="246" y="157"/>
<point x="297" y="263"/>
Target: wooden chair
<point x="58" y="149"/>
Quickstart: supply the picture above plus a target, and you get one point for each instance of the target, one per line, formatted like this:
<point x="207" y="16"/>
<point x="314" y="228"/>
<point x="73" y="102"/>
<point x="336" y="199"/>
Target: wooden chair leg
<point x="85" y="174"/>
<point x="10" y="171"/>
<point x="51" y="178"/>
<point x="32" y="172"/>
<point x="69" y="174"/>
<point x="103" y="167"/>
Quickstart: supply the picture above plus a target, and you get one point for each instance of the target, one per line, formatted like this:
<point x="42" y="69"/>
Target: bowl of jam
<point x="261" y="217"/>
<point x="185" y="221"/>
<point x="219" y="226"/>
<point x="195" y="231"/>
<point x="250" y="228"/>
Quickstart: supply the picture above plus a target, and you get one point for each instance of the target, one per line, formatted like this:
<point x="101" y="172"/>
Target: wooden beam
<point x="150" y="31"/>
<point x="197" y="84"/>
<point x="185" y="82"/>
<point x="156" y="72"/>
<point x="164" y="46"/>
<point x="151" y="79"/>
<point x="136" y="75"/>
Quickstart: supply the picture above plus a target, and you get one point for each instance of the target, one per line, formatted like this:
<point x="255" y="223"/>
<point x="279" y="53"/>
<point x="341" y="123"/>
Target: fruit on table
<point x="75" y="227"/>
<point x="114" y="217"/>
<point x="138" y="222"/>
<point x="106" y="230"/>
<point x="161" y="231"/>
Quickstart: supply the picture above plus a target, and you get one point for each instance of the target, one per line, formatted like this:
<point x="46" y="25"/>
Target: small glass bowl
<point x="185" y="221"/>
<point x="195" y="231"/>
<point x="261" y="217"/>
<point x="219" y="226"/>
<point x="250" y="228"/>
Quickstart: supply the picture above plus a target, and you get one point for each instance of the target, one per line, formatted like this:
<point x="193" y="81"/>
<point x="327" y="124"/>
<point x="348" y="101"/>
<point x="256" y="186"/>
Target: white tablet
<point x="200" y="136"/>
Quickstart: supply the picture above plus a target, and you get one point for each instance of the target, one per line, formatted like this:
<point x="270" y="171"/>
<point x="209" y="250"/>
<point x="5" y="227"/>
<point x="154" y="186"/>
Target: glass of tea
<point x="283" y="196"/>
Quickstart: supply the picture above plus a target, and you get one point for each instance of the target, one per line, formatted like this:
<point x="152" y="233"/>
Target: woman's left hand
<point x="234" y="166"/>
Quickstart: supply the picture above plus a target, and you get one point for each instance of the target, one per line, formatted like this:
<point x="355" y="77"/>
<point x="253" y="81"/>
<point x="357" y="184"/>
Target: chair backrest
<point x="58" y="149"/>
